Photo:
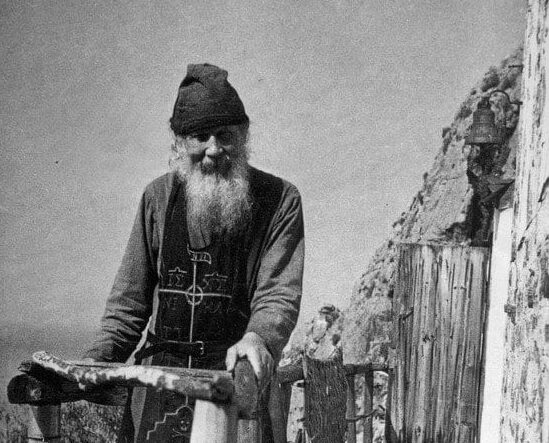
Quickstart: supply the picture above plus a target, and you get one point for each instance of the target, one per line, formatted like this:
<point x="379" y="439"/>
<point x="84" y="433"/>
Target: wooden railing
<point x="329" y="384"/>
<point x="221" y="399"/>
<point x="226" y="406"/>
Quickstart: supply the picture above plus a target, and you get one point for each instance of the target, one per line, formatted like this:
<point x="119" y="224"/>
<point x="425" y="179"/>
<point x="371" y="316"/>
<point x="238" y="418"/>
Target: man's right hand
<point x="253" y="348"/>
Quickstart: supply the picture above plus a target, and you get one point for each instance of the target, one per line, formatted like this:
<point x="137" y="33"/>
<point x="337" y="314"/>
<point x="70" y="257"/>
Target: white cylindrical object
<point x="214" y="423"/>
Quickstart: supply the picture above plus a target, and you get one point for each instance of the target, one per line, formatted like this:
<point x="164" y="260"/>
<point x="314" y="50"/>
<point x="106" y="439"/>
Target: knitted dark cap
<point x="205" y="100"/>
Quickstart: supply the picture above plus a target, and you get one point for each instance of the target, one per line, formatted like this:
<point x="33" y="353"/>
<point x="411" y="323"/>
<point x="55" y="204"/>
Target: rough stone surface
<point x="447" y="210"/>
<point x="525" y="402"/>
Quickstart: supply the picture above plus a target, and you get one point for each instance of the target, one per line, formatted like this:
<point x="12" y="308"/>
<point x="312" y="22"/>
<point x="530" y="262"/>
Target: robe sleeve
<point x="276" y="300"/>
<point x="129" y="304"/>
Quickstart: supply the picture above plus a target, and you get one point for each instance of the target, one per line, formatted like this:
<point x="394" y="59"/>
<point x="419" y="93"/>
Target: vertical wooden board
<point x="402" y="296"/>
<point x="405" y="286"/>
<point x="279" y="407"/>
<point x="469" y="407"/>
<point x="422" y="369"/>
<point x="368" y="434"/>
<point x="482" y="365"/>
<point x="325" y="399"/>
<point x="429" y="341"/>
<point x="398" y="344"/>
<point x="461" y="362"/>
<point x="453" y="375"/>
<point x="444" y="391"/>
<point x="449" y="357"/>
<point x="390" y="432"/>
<point x="441" y="342"/>
<point x="420" y="256"/>
<point x="351" y="409"/>
<point x="414" y="269"/>
<point x="411" y="340"/>
<point x="462" y="328"/>
<point x="445" y="283"/>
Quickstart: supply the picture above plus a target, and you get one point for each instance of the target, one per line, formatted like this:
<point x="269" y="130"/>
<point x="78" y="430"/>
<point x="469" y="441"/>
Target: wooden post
<point x="390" y="435"/>
<point x="44" y="423"/>
<point x="325" y="399"/>
<point x="214" y="423"/>
<point x="351" y="410"/>
<point x="279" y="407"/>
<point x="368" y="435"/>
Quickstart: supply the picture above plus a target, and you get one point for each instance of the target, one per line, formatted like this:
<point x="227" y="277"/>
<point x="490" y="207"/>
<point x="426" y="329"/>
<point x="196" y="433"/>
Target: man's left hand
<point x="252" y="347"/>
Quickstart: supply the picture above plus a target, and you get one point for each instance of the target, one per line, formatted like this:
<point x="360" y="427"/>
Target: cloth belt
<point x="194" y="349"/>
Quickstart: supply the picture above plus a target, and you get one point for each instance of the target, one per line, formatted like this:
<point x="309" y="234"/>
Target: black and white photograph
<point x="286" y="221"/>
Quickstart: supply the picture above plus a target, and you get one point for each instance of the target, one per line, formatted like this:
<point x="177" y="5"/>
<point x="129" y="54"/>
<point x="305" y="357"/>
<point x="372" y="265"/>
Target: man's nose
<point x="213" y="149"/>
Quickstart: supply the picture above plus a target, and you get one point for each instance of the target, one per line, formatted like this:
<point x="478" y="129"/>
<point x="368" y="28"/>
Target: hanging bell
<point x="484" y="130"/>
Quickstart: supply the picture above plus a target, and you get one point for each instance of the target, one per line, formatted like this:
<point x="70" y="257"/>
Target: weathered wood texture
<point x="325" y="399"/>
<point x="351" y="409"/>
<point x="440" y="307"/>
<point x="286" y="375"/>
<point x="294" y="372"/>
<point x="525" y="401"/>
<point x="197" y="383"/>
<point x="44" y="423"/>
<point x="50" y="380"/>
<point x="279" y="408"/>
<point x="368" y="431"/>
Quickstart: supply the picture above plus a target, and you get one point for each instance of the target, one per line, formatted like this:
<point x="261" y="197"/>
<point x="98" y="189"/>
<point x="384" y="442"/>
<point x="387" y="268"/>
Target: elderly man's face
<point x="214" y="150"/>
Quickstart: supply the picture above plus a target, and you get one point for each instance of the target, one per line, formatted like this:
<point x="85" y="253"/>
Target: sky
<point x="347" y="100"/>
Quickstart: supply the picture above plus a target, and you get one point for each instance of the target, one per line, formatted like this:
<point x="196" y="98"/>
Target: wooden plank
<point x="469" y="405"/>
<point x="439" y="345"/>
<point x="404" y="318"/>
<point x="206" y="385"/>
<point x="50" y="380"/>
<point x="368" y="431"/>
<point x="290" y="373"/>
<point x="436" y="307"/>
<point x="413" y="349"/>
<point x="279" y="407"/>
<point x="453" y="375"/>
<point x="350" y="415"/>
<point x="294" y="372"/>
<point x="246" y="391"/>
<point x="26" y="389"/>
<point x="325" y="399"/>
<point x="422" y="371"/>
<point x="390" y="433"/>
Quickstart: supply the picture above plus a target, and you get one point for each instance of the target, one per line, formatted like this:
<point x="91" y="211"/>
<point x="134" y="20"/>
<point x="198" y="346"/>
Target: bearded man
<point x="214" y="262"/>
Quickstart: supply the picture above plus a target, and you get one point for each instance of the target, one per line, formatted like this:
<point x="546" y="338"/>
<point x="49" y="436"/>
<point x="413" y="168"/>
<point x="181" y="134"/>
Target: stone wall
<point x="525" y="403"/>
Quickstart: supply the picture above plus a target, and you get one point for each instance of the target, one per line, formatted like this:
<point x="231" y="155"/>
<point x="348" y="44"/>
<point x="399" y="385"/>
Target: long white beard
<point x="219" y="203"/>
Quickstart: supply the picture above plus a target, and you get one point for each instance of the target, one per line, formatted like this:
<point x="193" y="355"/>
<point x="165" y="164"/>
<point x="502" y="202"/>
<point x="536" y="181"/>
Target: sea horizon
<point x="18" y="341"/>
